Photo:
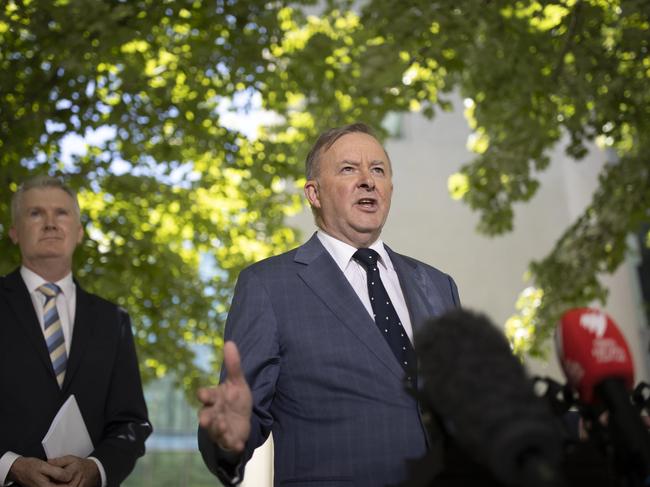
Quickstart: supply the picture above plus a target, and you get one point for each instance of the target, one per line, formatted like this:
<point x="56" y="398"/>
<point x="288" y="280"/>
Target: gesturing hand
<point x="226" y="411"/>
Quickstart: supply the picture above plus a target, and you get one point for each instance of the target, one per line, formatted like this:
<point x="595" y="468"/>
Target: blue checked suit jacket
<point x="323" y="378"/>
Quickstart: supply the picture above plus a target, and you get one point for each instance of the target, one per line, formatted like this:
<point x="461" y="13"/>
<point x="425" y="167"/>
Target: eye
<point x="34" y="212"/>
<point x="378" y="170"/>
<point x="61" y="212"/>
<point x="347" y="169"/>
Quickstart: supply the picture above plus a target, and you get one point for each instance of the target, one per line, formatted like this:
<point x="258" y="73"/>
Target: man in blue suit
<point x="305" y="358"/>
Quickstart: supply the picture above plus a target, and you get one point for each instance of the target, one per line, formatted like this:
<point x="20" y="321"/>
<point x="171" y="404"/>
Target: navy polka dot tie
<point x="386" y="317"/>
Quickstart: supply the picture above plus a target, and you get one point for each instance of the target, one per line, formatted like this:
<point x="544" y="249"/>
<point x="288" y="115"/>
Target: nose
<point x="366" y="180"/>
<point x="50" y="221"/>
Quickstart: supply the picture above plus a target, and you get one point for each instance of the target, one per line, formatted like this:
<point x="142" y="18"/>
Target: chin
<point x="373" y="225"/>
<point x="52" y="254"/>
<point x="369" y="232"/>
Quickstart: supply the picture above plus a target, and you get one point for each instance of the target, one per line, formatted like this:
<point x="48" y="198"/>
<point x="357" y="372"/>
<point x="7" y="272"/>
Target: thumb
<point x="55" y="469"/>
<point x="232" y="361"/>
<point x="61" y="461"/>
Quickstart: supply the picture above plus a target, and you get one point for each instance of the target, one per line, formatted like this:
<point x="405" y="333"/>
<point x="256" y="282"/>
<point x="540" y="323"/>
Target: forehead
<point x="46" y="196"/>
<point x="356" y="147"/>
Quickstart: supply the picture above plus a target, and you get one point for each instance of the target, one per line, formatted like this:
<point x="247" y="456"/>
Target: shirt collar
<point x="33" y="281"/>
<point x="342" y="252"/>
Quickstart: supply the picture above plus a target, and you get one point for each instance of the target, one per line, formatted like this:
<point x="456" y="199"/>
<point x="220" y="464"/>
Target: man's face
<point x="47" y="227"/>
<point x="352" y="191"/>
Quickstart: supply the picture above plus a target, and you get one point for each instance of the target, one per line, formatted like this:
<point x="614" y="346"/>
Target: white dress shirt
<point x="356" y="275"/>
<point x="66" y="302"/>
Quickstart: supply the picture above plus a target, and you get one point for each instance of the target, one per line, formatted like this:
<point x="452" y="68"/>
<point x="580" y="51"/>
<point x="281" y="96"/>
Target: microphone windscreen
<point x="591" y="348"/>
<point x="482" y="394"/>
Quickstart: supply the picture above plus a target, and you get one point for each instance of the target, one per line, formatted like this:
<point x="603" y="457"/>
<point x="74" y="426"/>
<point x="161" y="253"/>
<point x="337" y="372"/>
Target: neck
<point x="355" y="239"/>
<point x="50" y="271"/>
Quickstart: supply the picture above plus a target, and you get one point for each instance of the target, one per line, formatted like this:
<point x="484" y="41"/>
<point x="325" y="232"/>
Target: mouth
<point x="367" y="203"/>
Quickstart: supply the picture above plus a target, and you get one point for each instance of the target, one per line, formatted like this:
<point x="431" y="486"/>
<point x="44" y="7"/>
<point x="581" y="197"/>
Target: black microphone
<point x="480" y="392"/>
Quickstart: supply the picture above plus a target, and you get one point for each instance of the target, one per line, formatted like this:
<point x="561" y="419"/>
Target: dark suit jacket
<point x="323" y="378"/>
<point x="102" y="373"/>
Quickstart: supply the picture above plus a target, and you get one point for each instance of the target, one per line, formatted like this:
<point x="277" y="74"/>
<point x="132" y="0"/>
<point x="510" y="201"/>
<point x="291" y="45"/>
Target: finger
<point x="214" y="426"/>
<point x="206" y="418"/>
<point x="212" y="397"/>
<point x="210" y="417"/>
<point x="58" y="474"/>
<point x="232" y="361"/>
<point x="206" y="395"/>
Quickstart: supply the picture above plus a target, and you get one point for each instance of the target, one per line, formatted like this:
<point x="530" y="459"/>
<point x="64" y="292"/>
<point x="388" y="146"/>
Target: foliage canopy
<point x="175" y="185"/>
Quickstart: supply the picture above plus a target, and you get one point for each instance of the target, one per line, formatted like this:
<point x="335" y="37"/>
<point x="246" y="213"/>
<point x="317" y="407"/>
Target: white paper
<point x="68" y="434"/>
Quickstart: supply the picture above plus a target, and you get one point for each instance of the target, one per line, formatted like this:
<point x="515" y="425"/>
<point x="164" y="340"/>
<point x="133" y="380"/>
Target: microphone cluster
<point x="598" y="365"/>
<point x="501" y="428"/>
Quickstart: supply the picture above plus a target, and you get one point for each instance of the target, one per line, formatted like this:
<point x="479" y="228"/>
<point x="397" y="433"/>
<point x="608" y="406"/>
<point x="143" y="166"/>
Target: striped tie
<point x="53" y="331"/>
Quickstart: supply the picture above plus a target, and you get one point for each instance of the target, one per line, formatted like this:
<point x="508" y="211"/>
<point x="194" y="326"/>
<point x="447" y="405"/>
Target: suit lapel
<point x="26" y="319"/>
<point x="82" y="332"/>
<point x="326" y="280"/>
<point x="422" y="299"/>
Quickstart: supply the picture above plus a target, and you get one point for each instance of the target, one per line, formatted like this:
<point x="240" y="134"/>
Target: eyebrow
<point x="42" y="208"/>
<point x="375" y="162"/>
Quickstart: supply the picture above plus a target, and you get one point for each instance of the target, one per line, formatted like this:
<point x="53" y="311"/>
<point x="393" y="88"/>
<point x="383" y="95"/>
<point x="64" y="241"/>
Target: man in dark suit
<point x="56" y="340"/>
<point x="310" y="363"/>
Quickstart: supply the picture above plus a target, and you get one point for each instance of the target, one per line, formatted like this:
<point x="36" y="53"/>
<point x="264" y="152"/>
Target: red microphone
<point x="598" y="363"/>
<point x="591" y="349"/>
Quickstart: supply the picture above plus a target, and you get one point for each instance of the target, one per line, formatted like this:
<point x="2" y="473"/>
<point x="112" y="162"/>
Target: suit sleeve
<point x="252" y="325"/>
<point x="126" y="424"/>
<point x="454" y="292"/>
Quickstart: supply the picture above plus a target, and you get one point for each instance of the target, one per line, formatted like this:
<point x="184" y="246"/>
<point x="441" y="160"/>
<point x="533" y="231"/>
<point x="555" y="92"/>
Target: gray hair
<point x="40" y="182"/>
<point x="327" y="139"/>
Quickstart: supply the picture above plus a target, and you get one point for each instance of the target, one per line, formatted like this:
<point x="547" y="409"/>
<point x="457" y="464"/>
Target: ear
<point x="13" y="234"/>
<point x="311" y="193"/>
